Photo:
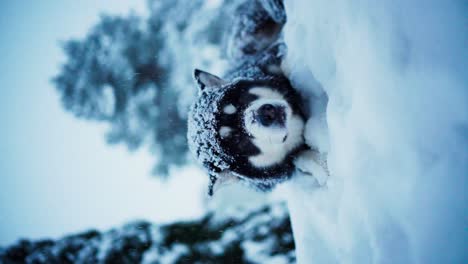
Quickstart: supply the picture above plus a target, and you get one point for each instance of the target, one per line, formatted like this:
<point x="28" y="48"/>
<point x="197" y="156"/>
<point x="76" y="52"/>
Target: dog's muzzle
<point x="271" y="115"/>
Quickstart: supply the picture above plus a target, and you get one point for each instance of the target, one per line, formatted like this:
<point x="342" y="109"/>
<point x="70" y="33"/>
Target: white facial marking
<point x="274" y="153"/>
<point x="229" y="109"/>
<point x="225" y="131"/>
<point x="274" y="142"/>
<point x="266" y="93"/>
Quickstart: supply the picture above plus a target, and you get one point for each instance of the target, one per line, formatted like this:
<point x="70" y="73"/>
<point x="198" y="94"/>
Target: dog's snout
<point x="269" y="114"/>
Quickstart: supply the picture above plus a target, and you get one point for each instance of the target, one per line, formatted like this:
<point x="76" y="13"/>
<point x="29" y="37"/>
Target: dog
<point x="249" y="125"/>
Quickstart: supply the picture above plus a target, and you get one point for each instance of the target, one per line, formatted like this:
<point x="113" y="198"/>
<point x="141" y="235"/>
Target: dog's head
<point x="247" y="129"/>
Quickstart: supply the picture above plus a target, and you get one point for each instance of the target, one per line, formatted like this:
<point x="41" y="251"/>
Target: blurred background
<point x="94" y="104"/>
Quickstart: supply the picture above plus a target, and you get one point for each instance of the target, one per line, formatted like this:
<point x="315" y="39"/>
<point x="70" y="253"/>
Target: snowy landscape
<point x="397" y="121"/>
<point x="387" y="86"/>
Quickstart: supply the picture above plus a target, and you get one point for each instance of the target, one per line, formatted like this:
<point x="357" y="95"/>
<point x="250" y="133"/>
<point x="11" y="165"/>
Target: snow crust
<point x="395" y="130"/>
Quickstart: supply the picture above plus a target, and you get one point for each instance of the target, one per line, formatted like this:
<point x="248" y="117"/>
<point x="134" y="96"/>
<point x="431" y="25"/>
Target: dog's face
<point x="257" y="123"/>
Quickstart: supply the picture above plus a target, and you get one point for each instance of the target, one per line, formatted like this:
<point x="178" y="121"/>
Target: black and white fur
<point x="256" y="128"/>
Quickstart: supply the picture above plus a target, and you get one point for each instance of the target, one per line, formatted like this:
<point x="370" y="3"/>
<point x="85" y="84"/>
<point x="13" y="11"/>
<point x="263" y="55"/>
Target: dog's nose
<point x="269" y="114"/>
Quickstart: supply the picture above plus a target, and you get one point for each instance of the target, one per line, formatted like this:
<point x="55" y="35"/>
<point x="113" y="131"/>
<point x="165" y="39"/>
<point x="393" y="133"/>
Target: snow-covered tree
<point x="134" y="73"/>
<point x="261" y="236"/>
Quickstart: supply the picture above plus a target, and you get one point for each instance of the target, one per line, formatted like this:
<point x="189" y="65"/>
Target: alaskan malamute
<point x="249" y="125"/>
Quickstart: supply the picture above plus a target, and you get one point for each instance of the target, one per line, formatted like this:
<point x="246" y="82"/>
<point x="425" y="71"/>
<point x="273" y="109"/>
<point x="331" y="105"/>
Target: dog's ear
<point x="205" y="79"/>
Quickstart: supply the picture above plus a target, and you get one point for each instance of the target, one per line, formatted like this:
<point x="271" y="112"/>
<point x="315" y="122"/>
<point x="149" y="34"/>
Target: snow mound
<point x="396" y="139"/>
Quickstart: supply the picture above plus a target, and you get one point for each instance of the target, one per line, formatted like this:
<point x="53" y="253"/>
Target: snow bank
<point x="397" y="121"/>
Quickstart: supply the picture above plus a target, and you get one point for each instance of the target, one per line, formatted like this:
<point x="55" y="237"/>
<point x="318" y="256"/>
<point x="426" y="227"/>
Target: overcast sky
<point x="57" y="175"/>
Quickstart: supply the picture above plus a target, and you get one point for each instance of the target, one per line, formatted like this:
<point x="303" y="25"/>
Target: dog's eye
<point x="243" y="144"/>
<point x="247" y="98"/>
<point x="236" y="137"/>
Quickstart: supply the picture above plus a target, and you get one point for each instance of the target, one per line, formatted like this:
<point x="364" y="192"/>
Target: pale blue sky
<point x="57" y="175"/>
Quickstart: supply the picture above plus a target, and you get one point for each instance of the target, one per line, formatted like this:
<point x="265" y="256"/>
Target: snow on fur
<point x="202" y="134"/>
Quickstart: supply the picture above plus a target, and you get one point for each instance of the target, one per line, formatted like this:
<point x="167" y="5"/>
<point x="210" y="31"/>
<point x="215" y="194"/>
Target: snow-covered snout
<point x="266" y="120"/>
<point x="275" y="131"/>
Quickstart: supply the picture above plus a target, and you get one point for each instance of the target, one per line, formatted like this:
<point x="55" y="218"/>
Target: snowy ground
<point x="397" y="118"/>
